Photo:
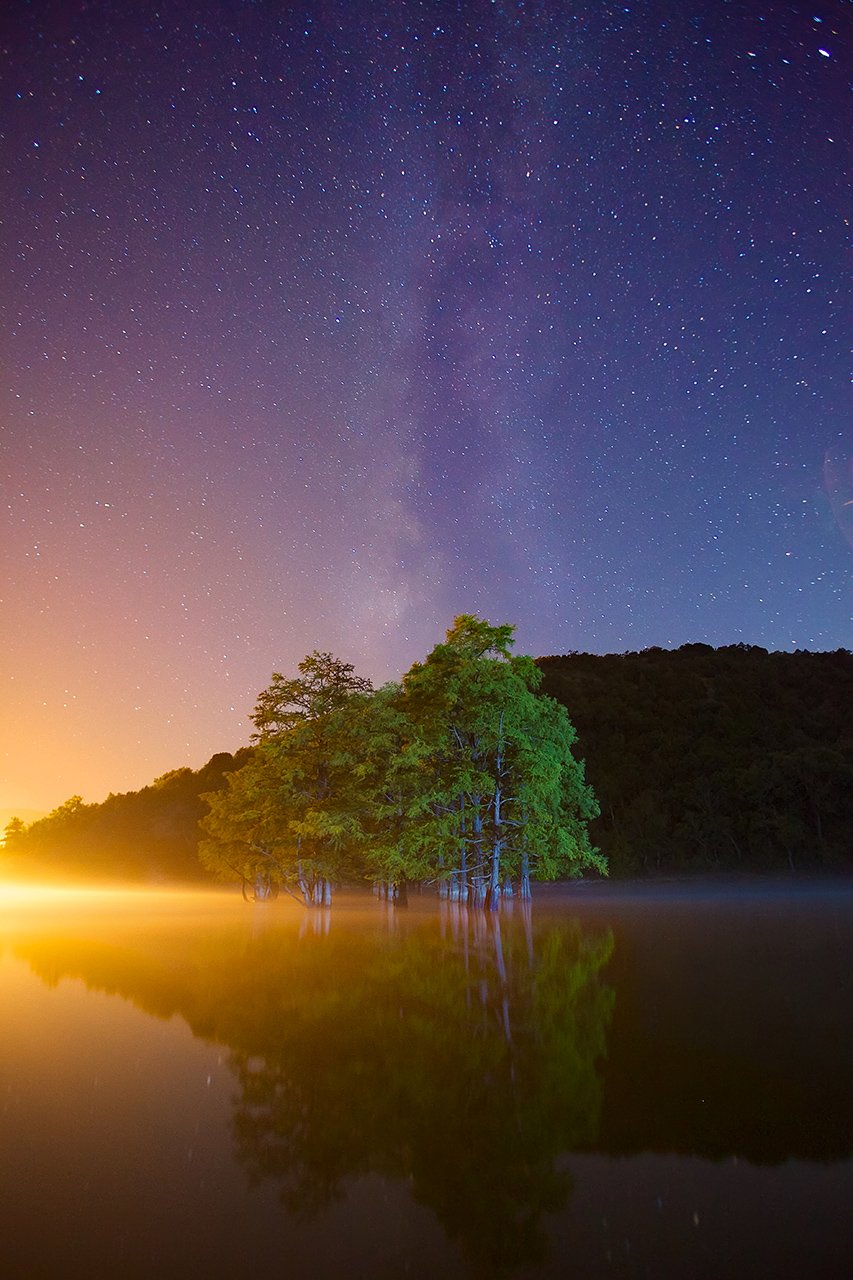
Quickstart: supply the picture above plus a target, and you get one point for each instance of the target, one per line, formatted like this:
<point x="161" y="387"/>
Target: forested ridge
<point x="700" y="759"/>
<point x="151" y="834"/>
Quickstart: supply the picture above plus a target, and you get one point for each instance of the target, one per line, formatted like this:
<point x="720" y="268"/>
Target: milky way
<point x="322" y="323"/>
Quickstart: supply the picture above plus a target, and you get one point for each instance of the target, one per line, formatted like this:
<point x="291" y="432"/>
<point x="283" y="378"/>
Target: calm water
<point x="623" y="1082"/>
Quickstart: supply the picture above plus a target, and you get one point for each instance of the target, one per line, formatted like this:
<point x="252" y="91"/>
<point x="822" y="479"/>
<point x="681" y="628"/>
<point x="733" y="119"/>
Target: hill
<point x="702" y="758"/>
<point x="151" y="834"/>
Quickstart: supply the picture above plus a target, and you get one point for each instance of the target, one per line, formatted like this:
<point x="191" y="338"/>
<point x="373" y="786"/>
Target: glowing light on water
<point x="14" y="892"/>
<point x="21" y="894"/>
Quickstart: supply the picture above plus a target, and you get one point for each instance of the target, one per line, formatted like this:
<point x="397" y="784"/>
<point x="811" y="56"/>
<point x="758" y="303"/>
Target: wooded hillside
<point x="151" y="834"/>
<point x="702" y="758"/>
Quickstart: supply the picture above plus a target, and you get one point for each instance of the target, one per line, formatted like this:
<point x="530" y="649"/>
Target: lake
<point x="625" y="1080"/>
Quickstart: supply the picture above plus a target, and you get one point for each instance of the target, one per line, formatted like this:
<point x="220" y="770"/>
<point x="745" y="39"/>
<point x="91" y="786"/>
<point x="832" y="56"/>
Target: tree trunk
<point x="322" y="892"/>
<point x="262" y="888"/>
<point x="477" y="846"/>
<point x="304" y="887"/>
<point x="494" y="893"/>
<point x="526" y="895"/>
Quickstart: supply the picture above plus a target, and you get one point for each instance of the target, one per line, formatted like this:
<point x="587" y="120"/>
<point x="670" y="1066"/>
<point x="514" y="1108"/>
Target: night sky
<point x="325" y="322"/>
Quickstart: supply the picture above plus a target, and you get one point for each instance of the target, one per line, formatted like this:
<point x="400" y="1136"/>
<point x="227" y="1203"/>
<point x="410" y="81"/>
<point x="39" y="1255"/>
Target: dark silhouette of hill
<point x="702" y="758"/>
<point x="150" y="834"/>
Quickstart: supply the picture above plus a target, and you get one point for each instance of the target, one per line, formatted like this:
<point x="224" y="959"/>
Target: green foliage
<point x="287" y="819"/>
<point x="324" y="684"/>
<point x="460" y="775"/>
<point x="503" y="797"/>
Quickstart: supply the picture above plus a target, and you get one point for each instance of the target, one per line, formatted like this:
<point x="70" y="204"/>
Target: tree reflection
<point x="457" y="1052"/>
<point x="460" y="1058"/>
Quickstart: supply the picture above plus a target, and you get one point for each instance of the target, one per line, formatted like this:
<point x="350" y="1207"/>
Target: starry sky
<point x="324" y="322"/>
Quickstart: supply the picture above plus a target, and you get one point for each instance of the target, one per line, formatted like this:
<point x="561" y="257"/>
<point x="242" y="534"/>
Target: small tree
<point x="285" y="820"/>
<point x="14" y="835"/>
<point x="243" y="832"/>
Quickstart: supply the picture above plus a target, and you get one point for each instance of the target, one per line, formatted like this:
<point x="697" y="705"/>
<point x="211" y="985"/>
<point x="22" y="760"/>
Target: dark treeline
<point x="702" y="758"/>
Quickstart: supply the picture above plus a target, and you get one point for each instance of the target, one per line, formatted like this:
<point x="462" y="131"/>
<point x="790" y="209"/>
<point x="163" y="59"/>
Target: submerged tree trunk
<point x="479" y="887"/>
<point x="443" y="886"/>
<point x="318" y="893"/>
<point x="493" y="897"/>
<point x="262" y="890"/>
<point x="303" y="885"/>
<point x="526" y="895"/>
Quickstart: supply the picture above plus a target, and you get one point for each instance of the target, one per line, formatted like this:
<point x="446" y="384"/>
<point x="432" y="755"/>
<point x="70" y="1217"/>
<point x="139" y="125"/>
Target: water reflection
<point x="453" y="1051"/>
<point x="685" y="1055"/>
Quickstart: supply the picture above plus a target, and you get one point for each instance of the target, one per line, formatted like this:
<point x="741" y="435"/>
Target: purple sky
<point x="323" y="323"/>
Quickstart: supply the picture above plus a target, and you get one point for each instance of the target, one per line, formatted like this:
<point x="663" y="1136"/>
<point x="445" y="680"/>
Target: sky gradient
<point x="322" y="323"/>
